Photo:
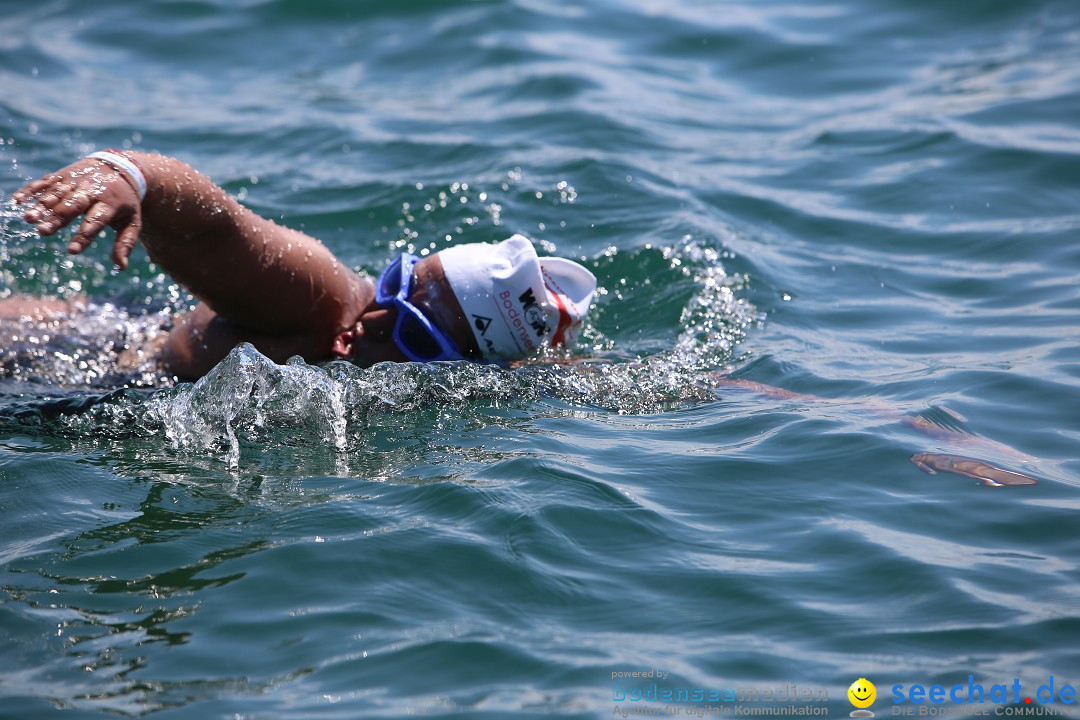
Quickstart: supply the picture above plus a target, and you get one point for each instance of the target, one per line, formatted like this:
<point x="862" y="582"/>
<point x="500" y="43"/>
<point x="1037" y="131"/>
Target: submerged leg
<point x="931" y="463"/>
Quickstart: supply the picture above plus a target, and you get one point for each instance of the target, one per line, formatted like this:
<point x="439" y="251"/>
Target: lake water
<point x="873" y="203"/>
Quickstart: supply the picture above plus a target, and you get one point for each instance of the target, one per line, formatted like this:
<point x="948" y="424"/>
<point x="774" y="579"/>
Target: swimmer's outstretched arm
<point x="259" y="281"/>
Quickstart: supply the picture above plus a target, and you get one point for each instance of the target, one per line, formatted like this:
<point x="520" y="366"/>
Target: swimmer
<point x="285" y="293"/>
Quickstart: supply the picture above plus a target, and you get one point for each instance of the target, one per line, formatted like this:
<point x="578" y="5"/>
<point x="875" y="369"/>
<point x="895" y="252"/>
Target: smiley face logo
<point x="862" y="693"/>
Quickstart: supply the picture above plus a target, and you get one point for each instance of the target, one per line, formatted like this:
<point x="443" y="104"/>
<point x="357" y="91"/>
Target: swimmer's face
<point x="373" y="334"/>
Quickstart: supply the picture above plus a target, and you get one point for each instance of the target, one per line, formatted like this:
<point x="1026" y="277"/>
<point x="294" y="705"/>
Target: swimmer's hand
<point x="88" y="187"/>
<point x="970" y="467"/>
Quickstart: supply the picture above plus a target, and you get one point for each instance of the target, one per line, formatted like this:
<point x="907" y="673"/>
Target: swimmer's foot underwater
<point x="970" y="467"/>
<point x="284" y="292"/>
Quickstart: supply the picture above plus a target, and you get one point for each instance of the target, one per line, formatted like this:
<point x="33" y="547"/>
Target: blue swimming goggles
<point x="414" y="334"/>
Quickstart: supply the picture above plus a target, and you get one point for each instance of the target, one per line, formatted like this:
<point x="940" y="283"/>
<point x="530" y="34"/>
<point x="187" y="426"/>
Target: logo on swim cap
<point x="534" y="314"/>
<point x="482" y="323"/>
<point x="516" y="300"/>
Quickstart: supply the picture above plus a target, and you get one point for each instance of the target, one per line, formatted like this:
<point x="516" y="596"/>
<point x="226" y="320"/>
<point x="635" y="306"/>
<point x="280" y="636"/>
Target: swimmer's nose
<point x="377" y="325"/>
<point x="371" y="328"/>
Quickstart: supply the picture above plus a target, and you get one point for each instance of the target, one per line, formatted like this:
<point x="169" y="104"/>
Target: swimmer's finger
<point x="126" y="237"/>
<point x="48" y="199"/>
<point x="27" y="192"/>
<point x="62" y="212"/>
<point x="34" y="189"/>
<point x="47" y="224"/>
<point x="49" y="189"/>
<point x="74" y="203"/>
<point x="97" y="218"/>
<point x="55" y="194"/>
<point x="78" y="201"/>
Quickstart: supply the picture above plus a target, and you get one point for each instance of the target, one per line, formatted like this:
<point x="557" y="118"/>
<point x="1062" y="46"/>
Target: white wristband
<point x="125" y="166"/>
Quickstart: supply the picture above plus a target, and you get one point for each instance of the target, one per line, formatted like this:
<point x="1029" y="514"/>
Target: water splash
<point x="83" y="345"/>
<point x="248" y="399"/>
<point x="12" y="228"/>
<point x="247" y="391"/>
<point x="716" y="319"/>
<point x="435" y="216"/>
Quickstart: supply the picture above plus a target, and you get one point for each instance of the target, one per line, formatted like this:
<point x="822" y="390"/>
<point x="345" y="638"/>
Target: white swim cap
<point x="515" y="301"/>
